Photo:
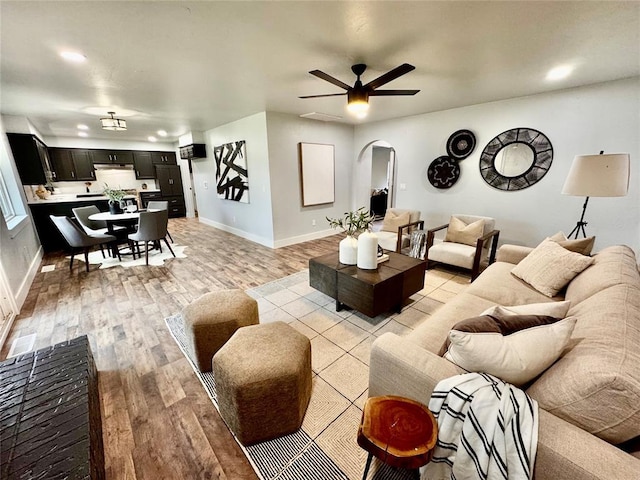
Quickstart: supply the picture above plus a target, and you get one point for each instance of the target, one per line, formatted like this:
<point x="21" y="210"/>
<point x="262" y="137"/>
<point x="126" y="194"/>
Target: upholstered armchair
<point x="396" y="228"/>
<point x="470" y="243"/>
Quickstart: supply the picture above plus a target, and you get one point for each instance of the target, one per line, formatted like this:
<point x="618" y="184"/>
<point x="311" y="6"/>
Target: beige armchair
<point x="397" y="227"/>
<point x="466" y="245"/>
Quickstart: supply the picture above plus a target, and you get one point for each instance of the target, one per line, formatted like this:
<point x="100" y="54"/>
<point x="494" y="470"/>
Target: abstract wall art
<point x="232" y="175"/>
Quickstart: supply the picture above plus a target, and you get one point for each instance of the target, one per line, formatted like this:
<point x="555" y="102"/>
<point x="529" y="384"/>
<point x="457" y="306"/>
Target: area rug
<point x="156" y="257"/>
<point x="325" y="447"/>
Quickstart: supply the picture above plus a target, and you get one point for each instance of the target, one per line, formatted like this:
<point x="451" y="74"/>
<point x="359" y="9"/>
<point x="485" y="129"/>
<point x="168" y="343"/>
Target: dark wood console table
<point x="371" y="292"/>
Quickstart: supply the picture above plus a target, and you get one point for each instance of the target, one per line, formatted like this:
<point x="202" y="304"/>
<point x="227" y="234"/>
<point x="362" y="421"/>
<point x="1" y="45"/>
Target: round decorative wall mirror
<point x="516" y="159"/>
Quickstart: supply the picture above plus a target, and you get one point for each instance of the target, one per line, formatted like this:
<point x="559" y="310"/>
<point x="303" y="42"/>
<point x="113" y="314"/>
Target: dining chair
<point x="78" y="239"/>
<point x="160" y="205"/>
<point x="152" y="227"/>
<point x="95" y="227"/>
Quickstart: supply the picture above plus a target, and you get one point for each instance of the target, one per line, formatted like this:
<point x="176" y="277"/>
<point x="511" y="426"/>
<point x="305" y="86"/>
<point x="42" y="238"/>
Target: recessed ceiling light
<point x="82" y="127"/>
<point x="152" y="139"/>
<point x="83" y="134"/>
<point x="162" y="133"/>
<point x="558" y="73"/>
<point x="73" y="56"/>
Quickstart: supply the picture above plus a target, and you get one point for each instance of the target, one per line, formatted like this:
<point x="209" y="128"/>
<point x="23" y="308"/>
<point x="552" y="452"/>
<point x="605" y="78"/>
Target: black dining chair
<point x="152" y="227"/>
<point x="160" y="205"/>
<point x="78" y="239"/>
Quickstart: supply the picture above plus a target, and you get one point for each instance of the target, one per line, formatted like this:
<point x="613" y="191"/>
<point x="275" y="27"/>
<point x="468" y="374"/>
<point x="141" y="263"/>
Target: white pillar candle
<point x="368" y="251"/>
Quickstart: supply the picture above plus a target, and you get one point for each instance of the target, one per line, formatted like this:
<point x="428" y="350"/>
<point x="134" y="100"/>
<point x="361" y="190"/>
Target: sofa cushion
<point x="505" y="324"/>
<point x="550" y="267"/>
<point x="611" y="266"/>
<point x="500" y="287"/>
<point x="596" y="385"/>
<point x="393" y="221"/>
<point x="450" y="253"/>
<point x="460" y="232"/>
<point x="517" y="358"/>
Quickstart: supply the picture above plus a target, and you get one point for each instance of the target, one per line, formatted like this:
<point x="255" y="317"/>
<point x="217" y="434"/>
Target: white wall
<point x="577" y="121"/>
<point x="379" y="165"/>
<point x="20" y="251"/>
<point x="251" y="220"/>
<point x="293" y="223"/>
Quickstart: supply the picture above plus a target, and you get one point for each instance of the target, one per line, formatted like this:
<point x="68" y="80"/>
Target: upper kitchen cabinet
<point x="117" y="157"/>
<point x="70" y="164"/>
<point x="169" y="180"/>
<point x="164" y="158"/>
<point x="143" y="164"/>
<point x="31" y="157"/>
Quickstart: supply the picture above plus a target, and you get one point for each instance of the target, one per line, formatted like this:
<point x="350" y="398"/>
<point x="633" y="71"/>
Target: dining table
<point x="127" y="219"/>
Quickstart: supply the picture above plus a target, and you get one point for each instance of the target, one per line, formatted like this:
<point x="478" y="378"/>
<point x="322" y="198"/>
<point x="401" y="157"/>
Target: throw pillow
<point x="460" y="232"/>
<point x="580" y="245"/>
<point x="505" y="324"/>
<point x="517" y="358"/>
<point x="392" y="222"/>
<point x="553" y="309"/>
<point x="550" y="267"/>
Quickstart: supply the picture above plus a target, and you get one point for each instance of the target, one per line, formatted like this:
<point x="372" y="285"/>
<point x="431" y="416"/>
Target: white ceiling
<point x="192" y="66"/>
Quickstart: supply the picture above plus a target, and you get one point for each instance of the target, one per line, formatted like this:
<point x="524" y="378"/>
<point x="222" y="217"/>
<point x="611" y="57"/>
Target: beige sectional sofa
<point x="589" y="399"/>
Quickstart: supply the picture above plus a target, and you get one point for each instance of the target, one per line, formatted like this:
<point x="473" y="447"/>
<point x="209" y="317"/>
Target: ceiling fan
<point x="358" y="95"/>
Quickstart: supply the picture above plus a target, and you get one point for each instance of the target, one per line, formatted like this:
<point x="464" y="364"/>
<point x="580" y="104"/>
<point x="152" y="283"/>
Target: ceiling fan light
<point x="358" y="102"/>
<point x="111" y="123"/>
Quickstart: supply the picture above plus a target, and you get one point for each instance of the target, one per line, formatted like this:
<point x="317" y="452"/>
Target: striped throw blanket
<point x="487" y="429"/>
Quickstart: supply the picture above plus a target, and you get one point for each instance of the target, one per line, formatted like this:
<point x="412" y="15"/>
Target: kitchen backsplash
<point x="116" y="178"/>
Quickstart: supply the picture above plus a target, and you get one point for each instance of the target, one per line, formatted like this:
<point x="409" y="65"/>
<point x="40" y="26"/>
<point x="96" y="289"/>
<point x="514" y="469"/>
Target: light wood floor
<point x="158" y="422"/>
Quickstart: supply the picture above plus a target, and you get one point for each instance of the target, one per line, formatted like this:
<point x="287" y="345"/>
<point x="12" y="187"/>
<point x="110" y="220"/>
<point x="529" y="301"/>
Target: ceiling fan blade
<point x="330" y="79"/>
<point x="384" y="93"/>
<point x="390" y="75"/>
<point x="325" y="95"/>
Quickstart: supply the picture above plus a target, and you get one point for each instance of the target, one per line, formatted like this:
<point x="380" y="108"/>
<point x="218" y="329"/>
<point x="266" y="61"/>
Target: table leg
<point x="366" y="468"/>
<point x="339" y="306"/>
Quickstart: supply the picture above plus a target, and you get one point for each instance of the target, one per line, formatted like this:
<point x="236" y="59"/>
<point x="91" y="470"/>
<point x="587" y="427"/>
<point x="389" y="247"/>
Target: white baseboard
<point x="267" y="242"/>
<point x="304" y="238"/>
<point x="23" y="291"/>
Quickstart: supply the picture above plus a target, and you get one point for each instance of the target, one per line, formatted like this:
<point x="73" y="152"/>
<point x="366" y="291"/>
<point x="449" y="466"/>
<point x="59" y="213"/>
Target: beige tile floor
<point x="340" y="346"/>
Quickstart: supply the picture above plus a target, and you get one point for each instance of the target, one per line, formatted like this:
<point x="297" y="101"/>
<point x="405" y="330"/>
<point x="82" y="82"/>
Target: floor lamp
<point x="597" y="176"/>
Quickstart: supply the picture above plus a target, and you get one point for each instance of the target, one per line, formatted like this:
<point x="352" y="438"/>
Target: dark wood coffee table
<point x="371" y="292"/>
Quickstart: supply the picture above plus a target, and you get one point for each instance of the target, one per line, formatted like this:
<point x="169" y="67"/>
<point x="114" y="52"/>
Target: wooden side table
<point x="399" y="431"/>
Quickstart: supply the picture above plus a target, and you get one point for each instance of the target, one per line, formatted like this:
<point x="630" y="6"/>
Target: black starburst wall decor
<point x="232" y="175"/>
<point x="444" y="171"/>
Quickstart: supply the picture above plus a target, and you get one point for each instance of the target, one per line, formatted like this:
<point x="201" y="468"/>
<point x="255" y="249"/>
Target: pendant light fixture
<point x="111" y="123"/>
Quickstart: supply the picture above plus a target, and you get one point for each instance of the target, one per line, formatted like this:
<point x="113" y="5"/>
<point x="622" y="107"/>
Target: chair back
<point x="152" y="225"/>
<point x="414" y="215"/>
<point x="158" y="205"/>
<point x="489" y="223"/>
<point x="71" y="232"/>
<point x="82" y="215"/>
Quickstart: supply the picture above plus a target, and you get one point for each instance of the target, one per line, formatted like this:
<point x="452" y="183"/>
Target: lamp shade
<point x="598" y="176"/>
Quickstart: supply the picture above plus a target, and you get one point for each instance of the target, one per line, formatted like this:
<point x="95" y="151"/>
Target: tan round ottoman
<point x="210" y="321"/>
<point x="263" y="381"/>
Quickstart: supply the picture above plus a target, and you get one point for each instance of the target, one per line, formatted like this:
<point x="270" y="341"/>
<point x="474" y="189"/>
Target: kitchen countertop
<point x="65" y="198"/>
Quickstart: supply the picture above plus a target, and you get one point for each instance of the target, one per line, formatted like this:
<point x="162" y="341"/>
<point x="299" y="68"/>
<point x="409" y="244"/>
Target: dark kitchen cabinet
<point x="163" y="158"/>
<point x="70" y="164"/>
<point x="117" y="157"/>
<point x="146" y="197"/>
<point x="169" y="180"/>
<point x="31" y="157"/>
<point x="144" y="165"/>
<point x="170" y="183"/>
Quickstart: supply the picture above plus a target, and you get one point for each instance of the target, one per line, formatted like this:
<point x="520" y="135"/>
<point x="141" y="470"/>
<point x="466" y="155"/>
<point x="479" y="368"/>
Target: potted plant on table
<point x="352" y="224"/>
<point x="115" y="196"/>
